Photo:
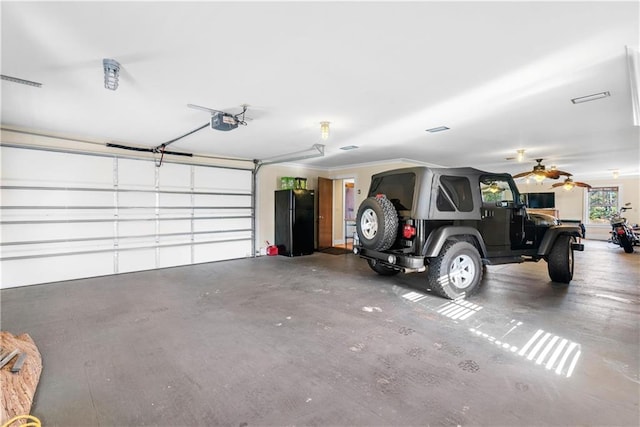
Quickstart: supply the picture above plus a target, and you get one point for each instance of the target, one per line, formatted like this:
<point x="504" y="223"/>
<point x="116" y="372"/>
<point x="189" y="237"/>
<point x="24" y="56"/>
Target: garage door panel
<point x="134" y="174"/>
<point x="136" y="228"/>
<point x="136" y="260"/>
<point x="221" y="251"/>
<point x="222" y="224"/>
<point x="55" y="197"/>
<point x="56" y="248"/>
<point x="168" y="199"/>
<point x="174" y="177"/>
<point x="128" y="199"/>
<point x="60" y="214"/>
<point x="48" y="231"/>
<point x="243" y="201"/>
<point x="39" y="167"/>
<point x="174" y="256"/>
<point x="222" y="180"/>
<point x="56" y="268"/>
<point x="183" y="226"/>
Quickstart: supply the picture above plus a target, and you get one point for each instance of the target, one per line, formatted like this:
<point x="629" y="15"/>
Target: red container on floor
<point x="272" y="249"/>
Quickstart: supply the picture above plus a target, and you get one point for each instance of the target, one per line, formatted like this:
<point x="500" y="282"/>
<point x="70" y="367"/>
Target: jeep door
<point x="502" y="217"/>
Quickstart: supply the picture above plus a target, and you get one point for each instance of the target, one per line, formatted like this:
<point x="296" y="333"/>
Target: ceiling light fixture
<point x="539" y="178"/>
<point x="324" y="130"/>
<point x="349" y="147"/>
<point x="591" y="97"/>
<point x="20" y="81"/>
<point x="438" y="129"/>
<point x="111" y="73"/>
<point x="520" y="156"/>
<point x="616" y="174"/>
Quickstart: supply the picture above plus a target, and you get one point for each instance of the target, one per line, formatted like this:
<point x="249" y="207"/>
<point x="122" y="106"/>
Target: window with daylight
<point x="603" y="202"/>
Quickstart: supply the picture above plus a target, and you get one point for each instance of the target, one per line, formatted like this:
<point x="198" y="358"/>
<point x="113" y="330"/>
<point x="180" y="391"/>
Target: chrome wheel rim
<point x="462" y="271"/>
<point x="369" y="224"/>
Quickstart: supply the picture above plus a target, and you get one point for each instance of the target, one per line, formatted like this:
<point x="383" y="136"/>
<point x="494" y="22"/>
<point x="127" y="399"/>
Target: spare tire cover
<point x="377" y="223"/>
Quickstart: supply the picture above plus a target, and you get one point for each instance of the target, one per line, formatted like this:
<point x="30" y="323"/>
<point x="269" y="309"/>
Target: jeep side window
<point x="442" y="203"/>
<point x="495" y="190"/>
<point x="458" y="188"/>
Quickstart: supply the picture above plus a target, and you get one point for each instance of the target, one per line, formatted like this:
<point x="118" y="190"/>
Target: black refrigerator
<point x="295" y="219"/>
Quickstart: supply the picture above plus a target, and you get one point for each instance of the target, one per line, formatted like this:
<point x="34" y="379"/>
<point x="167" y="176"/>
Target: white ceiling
<point x="499" y="75"/>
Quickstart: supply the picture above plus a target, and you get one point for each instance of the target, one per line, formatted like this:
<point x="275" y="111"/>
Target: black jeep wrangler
<point x="450" y="222"/>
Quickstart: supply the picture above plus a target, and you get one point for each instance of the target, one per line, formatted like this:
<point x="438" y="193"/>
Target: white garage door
<point x="68" y="216"/>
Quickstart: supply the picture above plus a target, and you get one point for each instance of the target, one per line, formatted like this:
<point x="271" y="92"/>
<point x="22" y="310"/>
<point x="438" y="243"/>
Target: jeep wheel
<point x="457" y="271"/>
<point x="377" y="223"/>
<point x="381" y="269"/>
<point x="560" y="260"/>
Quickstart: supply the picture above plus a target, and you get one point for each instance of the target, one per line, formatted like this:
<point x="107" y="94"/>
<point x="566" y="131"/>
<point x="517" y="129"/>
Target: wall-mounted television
<point x="541" y="200"/>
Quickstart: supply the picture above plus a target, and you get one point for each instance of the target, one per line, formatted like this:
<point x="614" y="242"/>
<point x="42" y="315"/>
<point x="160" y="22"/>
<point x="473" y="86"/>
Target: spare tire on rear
<point x="377" y="223"/>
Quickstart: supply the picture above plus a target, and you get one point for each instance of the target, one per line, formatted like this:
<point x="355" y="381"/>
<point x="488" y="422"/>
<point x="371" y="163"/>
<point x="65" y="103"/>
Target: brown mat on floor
<point x="336" y="251"/>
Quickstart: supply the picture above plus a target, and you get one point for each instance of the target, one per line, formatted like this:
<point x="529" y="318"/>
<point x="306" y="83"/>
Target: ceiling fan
<point x="221" y="120"/>
<point x="568" y="184"/>
<point x="540" y="172"/>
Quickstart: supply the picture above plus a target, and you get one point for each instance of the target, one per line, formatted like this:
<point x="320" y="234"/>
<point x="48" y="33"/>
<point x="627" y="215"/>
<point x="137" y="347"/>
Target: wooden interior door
<point x="325" y="213"/>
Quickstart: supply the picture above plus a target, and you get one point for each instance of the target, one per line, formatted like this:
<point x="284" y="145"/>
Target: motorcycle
<point x="622" y="234"/>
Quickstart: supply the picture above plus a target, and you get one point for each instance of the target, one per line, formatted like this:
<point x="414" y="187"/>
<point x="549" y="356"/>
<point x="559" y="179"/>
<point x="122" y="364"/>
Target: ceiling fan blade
<point x="555" y="173"/>
<point x="582" y="184"/>
<point x="559" y="184"/>
<point x="208" y="110"/>
<point x="523" y="174"/>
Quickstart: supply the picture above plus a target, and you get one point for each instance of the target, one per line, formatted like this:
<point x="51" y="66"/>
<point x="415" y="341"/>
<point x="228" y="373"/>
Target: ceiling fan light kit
<point x="569" y="184"/>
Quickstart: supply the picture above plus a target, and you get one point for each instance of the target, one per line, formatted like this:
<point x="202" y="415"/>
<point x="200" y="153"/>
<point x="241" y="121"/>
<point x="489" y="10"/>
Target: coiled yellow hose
<point x="33" y="421"/>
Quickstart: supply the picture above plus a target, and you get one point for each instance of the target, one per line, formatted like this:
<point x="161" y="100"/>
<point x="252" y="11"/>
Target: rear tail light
<point x="408" y="231"/>
<point x="620" y="231"/>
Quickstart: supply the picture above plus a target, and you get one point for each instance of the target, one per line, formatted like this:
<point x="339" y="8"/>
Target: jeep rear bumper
<point x="397" y="260"/>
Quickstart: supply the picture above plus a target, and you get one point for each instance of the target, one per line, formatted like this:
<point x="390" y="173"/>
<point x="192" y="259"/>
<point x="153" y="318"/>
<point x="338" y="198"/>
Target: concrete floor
<point x="322" y="340"/>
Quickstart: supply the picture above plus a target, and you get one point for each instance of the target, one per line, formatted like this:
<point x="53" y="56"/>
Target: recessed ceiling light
<point x="349" y="147"/>
<point x="438" y="129"/>
<point x="20" y="81"/>
<point x="590" y="97"/>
